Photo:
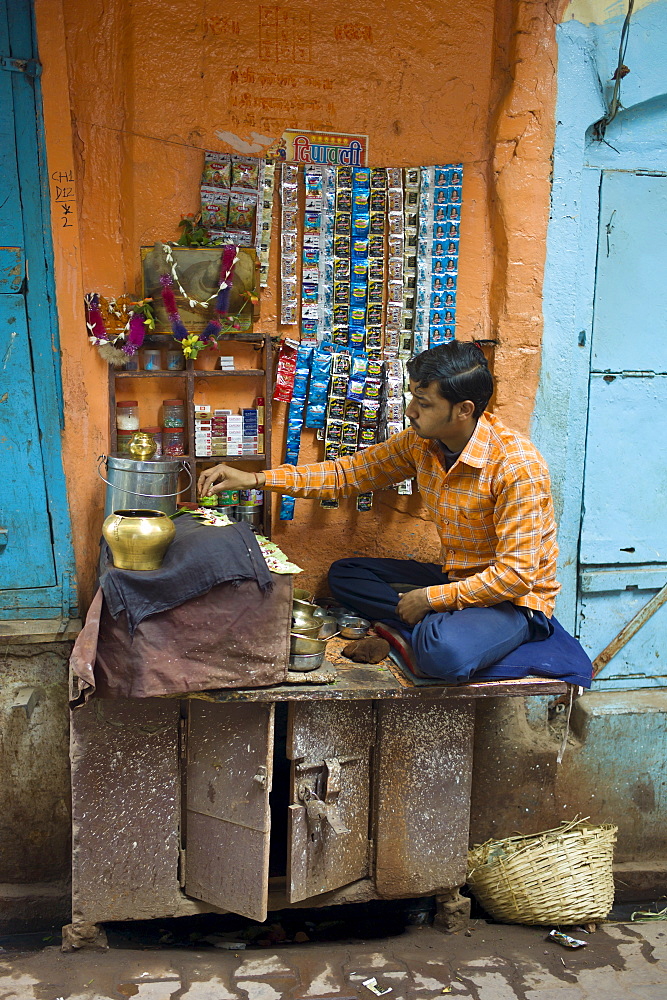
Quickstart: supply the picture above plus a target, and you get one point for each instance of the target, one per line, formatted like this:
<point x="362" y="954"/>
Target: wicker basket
<point x="561" y="876"/>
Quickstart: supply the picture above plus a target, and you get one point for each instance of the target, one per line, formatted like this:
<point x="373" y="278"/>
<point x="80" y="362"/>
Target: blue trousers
<point x="451" y="645"/>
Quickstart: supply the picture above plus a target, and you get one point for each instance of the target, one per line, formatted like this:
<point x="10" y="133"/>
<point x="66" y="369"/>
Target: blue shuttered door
<point x="623" y="549"/>
<point x="35" y="543"/>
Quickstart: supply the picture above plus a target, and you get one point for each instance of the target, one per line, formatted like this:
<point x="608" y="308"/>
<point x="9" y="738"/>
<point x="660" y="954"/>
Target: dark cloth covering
<point x="229" y="637"/>
<point x="200" y="557"/>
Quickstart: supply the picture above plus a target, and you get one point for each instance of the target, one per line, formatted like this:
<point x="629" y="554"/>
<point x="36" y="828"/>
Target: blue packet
<point x="360" y="227"/>
<point x="316" y="415"/>
<point x="300" y="390"/>
<point x="361" y="178"/>
<point x="287" y="508"/>
<point x="359" y="249"/>
<point x="357" y="316"/>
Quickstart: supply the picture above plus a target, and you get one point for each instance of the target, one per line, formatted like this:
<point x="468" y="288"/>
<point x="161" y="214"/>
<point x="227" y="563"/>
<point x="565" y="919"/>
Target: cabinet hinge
<point x="182" y="738"/>
<point x="631" y="374"/>
<point x="181" y="867"/>
<point x="31" y="67"/>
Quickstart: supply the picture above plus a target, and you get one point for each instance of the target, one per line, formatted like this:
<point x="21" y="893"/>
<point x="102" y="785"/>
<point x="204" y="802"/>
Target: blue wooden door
<point x="623" y="547"/>
<point x="35" y="544"/>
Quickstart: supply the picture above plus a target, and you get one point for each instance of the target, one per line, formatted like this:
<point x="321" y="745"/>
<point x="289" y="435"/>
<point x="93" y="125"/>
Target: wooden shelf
<point x="248" y="372"/>
<point x="228" y="458"/>
<point x="161" y="373"/>
<point x="189" y="375"/>
<point x="156" y="374"/>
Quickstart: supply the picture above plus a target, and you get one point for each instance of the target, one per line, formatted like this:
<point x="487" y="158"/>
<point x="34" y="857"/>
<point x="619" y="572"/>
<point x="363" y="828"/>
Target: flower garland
<point x="192" y="343"/>
<point x="135" y="316"/>
<point x="226" y="274"/>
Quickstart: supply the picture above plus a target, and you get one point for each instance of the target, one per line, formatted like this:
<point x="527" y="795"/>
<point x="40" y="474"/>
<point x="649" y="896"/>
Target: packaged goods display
<point x="379" y="255"/>
<point x="368" y="260"/>
<point x="289" y="233"/>
<point x="234" y="191"/>
<point x="220" y="433"/>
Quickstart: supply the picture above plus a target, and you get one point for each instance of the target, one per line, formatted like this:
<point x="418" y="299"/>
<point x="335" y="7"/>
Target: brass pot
<point x="142" y="446"/>
<point x="138" y="539"/>
<point x="300" y="594"/>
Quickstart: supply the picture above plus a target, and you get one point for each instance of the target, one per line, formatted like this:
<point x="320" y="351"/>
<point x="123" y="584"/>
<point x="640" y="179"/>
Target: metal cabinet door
<point x="329" y="744"/>
<point x="423" y="774"/>
<point x="229" y="756"/>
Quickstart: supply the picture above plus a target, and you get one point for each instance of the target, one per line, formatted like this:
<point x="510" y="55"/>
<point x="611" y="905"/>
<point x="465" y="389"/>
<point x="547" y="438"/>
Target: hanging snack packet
<point x="285" y="371"/>
<point x="214" y="208"/>
<point x="217" y="171"/>
<point x="245" y="172"/>
<point x="319" y="384"/>
<point x="242" y="210"/>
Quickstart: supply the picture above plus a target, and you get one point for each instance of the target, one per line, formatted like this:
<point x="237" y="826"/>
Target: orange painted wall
<point x="134" y="90"/>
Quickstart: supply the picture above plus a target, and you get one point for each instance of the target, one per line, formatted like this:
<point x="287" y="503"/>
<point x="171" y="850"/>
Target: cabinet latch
<point x="326" y="808"/>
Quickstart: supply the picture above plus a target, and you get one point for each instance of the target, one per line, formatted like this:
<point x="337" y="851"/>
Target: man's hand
<point x="413" y="606"/>
<point x="226" y="477"/>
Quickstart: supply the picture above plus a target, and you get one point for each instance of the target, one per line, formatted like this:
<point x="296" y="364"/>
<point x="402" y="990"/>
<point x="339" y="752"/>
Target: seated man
<point x="487" y="490"/>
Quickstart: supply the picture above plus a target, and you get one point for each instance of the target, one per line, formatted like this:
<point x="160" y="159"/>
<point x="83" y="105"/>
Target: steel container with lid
<point x="154" y="479"/>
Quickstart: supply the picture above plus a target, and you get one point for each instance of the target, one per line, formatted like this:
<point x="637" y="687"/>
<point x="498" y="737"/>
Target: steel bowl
<point x="328" y="627"/>
<point x="302" y="595"/>
<point x="330" y="607"/>
<point x="352" y="627"/>
<point x="303" y="662"/>
<point x="299" y="644"/>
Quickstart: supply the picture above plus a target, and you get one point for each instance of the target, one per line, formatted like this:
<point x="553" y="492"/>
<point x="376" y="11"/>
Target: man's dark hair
<point x="460" y="370"/>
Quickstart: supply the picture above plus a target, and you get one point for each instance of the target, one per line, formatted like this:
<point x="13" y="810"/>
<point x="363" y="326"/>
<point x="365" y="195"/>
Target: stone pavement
<point x="490" y="962"/>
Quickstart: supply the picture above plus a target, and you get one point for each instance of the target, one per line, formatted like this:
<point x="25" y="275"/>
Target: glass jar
<point x="156" y="434"/>
<point x="132" y="364"/>
<point x="172" y="441"/>
<point x="127" y="415"/>
<point x="123" y="439"/>
<point x="175" y="360"/>
<point x="152" y="359"/>
<point x="173" y="413"/>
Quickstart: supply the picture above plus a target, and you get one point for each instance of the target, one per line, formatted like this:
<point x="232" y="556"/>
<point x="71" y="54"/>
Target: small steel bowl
<point x="299" y="644"/>
<point x="352" y="627"/>
<point x="330" y="607"/>
<point x="328" y="627"/>
<point x="302" y="595"/>
<point x="303" y="662"/>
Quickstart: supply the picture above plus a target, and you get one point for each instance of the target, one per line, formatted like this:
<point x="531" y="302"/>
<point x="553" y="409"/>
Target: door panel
<point x="624" y="530"/>
<point x="36" y="559"/>
<point x="424" y="773"/>
<point x="610" y="600"/>
<point x="228" y="823"/>
<point x="625" y="479"/>
<point x="26" y="557"/>
<point x="630" y="318"/>
<point x="329" y="745"/>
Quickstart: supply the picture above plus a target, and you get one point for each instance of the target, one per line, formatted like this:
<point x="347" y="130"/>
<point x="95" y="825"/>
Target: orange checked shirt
<point x="493" y="510"/>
